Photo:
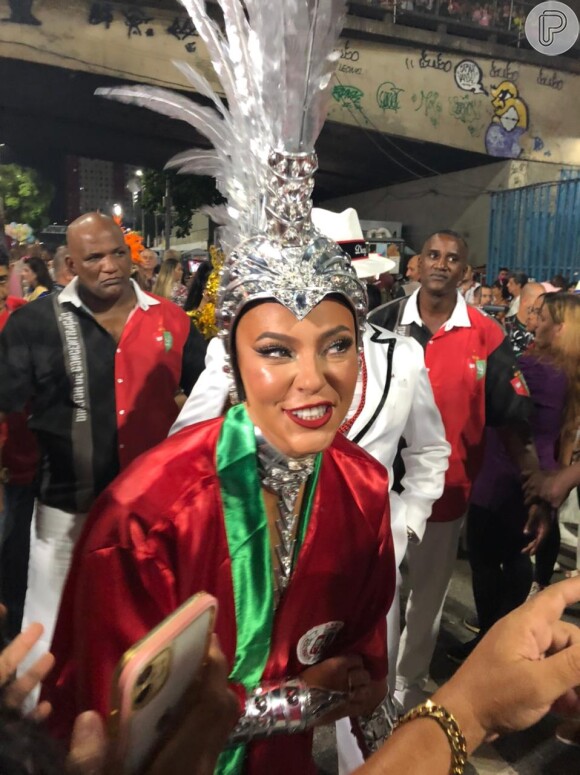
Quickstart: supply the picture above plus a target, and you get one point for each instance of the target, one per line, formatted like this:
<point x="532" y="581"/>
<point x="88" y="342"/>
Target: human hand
<point x="207" y="714"/>
<point x="537" y="526"/>
<point x="88" y="747"/>
<point x="13" y="691"/>
<point x="210" y="711"/>
<point x="527" y="664"/>
<point x="551" y="486"/>
<point x="343" y="674"/>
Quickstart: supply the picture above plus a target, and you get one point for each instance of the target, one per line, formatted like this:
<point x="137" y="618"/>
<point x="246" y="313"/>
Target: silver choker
<point x="284" y="476"/>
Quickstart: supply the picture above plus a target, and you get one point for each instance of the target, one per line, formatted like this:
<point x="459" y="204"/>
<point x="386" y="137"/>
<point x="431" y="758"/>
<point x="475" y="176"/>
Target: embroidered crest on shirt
<point x="480" y="368"/>
<point x="519" y="384"/>
<point x="167" y="340"/>
<point x="313" y="644"/>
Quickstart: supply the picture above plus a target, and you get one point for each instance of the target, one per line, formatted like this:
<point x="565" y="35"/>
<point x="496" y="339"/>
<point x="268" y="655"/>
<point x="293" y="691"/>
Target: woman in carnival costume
<point x="268" y="508"/>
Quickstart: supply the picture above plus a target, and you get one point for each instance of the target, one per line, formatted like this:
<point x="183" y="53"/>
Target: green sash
<point x="249" y="548"/>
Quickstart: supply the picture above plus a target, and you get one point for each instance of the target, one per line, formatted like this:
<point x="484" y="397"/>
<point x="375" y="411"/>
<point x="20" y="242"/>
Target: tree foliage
<point x="26" y="196"/>
<point x="188" y="194"/>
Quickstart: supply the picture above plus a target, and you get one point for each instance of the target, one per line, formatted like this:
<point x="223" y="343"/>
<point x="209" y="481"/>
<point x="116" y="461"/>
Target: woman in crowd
<point x="197" y="288"/>
<point x="270" y="487"/>
<point x="499" y="546"/>
<point x="168" y="283"/>
<point x="557" y="340"/>
<point x="36" y="278"/>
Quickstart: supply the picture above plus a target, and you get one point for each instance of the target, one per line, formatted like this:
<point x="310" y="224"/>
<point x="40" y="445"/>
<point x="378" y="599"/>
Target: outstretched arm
<point x="527" y="664"/>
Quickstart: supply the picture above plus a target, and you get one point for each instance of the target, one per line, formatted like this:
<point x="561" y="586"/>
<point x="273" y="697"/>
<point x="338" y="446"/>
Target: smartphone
<point x="152" y="677"/>
<point x="494" y="309"/>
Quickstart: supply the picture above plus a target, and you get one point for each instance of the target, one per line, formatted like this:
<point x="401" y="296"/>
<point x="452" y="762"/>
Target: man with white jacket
<point x="393" y="401"/>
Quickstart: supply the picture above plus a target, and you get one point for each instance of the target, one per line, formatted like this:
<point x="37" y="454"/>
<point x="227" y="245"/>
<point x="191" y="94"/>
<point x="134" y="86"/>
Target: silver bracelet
<point x="372" y="731"/>
<point x="283" y="708"/>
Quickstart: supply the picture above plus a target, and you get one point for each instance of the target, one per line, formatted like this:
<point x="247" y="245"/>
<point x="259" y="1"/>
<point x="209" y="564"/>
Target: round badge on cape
<point x="312" y="644"/>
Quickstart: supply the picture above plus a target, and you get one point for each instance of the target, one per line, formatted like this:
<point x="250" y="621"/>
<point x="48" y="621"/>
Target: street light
<point x="117" y="210"/>
<point x="139" y="173"/>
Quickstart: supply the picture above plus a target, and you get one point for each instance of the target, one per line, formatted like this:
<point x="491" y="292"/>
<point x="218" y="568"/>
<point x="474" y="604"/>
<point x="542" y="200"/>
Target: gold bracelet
<point x="449" y="725"/>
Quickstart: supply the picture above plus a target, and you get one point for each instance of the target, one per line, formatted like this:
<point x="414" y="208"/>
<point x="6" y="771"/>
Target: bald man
<point x="412" y="276"/>
<point x="516" y="326"/>
<point x="101" y="363"/>
<point x="149" y="261"/>
<point x="61" y="270"/>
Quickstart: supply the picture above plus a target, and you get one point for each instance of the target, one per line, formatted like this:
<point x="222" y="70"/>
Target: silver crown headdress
<point x="274" y="61"/>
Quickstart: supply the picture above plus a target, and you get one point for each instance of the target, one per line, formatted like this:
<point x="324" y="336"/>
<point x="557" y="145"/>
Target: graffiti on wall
<point x="468" y="76"/>
<point x="348" y="97"/>
<point x="388" y="96"/>
<point x="139" y="23"/>
<point x="488" y="106"/>
<point x="509" y="121"/>
<point x="349" y="58"/>
<point x="101" y="13"/>
<point x="467" y="110"/>
<point x="506" y="108"/>
<point x="428" y="103"/>
<point x="21" y="13"/>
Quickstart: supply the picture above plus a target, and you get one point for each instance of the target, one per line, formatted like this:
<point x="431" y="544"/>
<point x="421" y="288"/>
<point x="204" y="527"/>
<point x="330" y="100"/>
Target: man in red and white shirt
<point x="475" y="383"/>
<point x="101" y="363"/>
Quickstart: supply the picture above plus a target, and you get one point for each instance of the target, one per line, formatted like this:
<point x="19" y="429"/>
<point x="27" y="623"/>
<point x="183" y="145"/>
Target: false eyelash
<point x="345" y="342"/>
<point x="268" y="350"/>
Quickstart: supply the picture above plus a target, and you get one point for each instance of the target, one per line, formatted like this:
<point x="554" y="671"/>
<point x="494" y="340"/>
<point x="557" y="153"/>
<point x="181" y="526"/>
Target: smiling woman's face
<point x="298" y="376"/>
<point x="28" y="275"/>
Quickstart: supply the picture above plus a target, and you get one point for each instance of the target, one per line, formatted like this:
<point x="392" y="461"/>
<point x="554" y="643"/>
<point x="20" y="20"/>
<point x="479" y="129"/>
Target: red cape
<point x="156" y="536"/>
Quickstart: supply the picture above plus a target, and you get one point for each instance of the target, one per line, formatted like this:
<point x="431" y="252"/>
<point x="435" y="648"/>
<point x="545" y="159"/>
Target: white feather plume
<point x="274" y="61"/>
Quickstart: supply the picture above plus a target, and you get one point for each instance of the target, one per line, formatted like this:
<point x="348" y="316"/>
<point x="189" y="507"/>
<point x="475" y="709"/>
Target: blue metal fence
<point x="536" y="229"/>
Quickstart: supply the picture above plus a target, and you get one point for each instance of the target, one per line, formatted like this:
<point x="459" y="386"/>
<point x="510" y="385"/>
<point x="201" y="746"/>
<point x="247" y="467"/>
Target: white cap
<point x="345" y="229"/>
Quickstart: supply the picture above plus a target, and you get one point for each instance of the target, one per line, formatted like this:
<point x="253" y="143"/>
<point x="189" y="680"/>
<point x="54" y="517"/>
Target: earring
<point x="232" y="389"/>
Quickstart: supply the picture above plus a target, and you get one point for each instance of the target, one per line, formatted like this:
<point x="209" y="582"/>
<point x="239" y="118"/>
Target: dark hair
<point x="4" y="260"/>
<point x="198" y="286"/>
<point x="479" y="289"/>
<point x="449" y="233"/>
<point x="374" y="295"/>
<point x="26" y="748"/>
<point x="38" y="266"/>
<point x="503" y="269"/>
<point x="521" y="278"/>
<point x="559" y="281"/>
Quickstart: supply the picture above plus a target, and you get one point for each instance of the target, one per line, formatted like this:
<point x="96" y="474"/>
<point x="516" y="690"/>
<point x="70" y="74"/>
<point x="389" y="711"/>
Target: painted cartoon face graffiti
<point x="509" y="122"/>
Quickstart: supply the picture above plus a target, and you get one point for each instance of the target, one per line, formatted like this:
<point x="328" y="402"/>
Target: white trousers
<point x="52" y="542"/>
<point x="430" y="566"/>
<point x="349" y="754"/>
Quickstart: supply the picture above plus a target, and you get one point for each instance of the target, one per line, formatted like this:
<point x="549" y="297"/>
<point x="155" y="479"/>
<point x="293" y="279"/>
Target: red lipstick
<point x="310" y="422"/>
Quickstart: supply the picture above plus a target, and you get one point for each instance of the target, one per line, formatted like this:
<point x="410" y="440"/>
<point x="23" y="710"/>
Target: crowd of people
<point x="455" y="433"/>
<point x="497" y="14"/>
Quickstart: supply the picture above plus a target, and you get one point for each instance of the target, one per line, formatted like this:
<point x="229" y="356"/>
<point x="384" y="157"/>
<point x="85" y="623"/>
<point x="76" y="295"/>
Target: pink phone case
<point x="153" y="676"/>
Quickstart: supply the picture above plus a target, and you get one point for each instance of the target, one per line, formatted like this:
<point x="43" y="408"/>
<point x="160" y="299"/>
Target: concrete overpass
<point x="407" y="103"/>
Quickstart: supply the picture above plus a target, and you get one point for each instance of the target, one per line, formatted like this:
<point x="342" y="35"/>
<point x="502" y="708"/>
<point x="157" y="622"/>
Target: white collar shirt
<point x="70" y="293"/>
<point x="459" y="317"/>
